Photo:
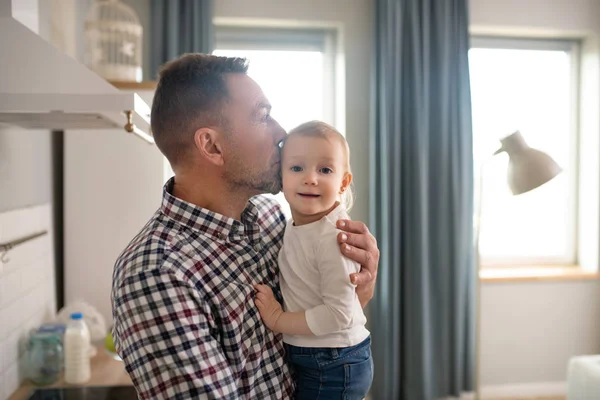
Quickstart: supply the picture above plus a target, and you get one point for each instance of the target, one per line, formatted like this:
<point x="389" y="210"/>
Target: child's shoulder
<point x="334" y="216"/>
<point x="328" y="225"/>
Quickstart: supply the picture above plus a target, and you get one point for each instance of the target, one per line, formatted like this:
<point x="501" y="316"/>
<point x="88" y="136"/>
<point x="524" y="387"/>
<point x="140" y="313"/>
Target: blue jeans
<point x="331" y="373"/>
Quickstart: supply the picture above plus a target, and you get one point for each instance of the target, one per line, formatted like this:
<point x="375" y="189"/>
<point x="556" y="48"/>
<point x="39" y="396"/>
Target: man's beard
<point x="256" y="183"/>
<point x="268" y="183"/>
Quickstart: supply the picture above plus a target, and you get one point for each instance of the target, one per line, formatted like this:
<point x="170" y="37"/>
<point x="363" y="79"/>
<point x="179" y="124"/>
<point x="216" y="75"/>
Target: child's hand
<point x="270" y="310"/>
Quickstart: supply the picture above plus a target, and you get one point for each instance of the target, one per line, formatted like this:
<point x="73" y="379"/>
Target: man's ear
<point x="208" y="145"/>
<point x="346" y="181"/>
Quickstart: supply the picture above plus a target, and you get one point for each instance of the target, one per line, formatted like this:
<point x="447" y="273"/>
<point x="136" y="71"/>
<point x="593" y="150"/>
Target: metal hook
<point x="6" y="247"/>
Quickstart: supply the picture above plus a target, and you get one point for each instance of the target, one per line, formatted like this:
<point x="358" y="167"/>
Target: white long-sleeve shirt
<point x="315" y="277"/>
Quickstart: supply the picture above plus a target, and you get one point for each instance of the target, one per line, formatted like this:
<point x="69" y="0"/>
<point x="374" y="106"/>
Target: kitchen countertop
<point x="106" y="371"/>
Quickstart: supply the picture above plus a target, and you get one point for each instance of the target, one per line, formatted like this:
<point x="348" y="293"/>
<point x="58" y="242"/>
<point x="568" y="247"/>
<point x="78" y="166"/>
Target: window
<point x="294" y="67"/>
<point x="530" y="86"/>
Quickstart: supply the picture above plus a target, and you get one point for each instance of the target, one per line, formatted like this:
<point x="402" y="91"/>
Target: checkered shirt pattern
<point x="185" y="323"/>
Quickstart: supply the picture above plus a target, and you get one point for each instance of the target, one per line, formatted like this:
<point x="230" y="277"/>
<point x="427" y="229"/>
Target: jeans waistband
<point x="316" y="350"/>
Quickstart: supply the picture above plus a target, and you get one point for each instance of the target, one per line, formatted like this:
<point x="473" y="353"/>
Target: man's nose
<point x="278" y="132"/>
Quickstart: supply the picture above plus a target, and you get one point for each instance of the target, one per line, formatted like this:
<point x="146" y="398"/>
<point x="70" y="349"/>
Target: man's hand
<point x="270" y="310"/>
<point x="358" y="244"/>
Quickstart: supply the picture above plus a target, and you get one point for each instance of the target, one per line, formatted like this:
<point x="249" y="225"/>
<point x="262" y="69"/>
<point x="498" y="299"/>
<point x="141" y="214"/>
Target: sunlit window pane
<point x="530" y="91"/>
<point x="291" y="80"/>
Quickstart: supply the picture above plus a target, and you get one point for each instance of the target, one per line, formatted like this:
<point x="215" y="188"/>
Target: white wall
<point x="25" y="168"/>
<point x="552" y="15"/>
<point x="529" y="330"/>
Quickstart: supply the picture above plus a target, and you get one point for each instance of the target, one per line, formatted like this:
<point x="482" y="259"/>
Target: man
<point x="185" y="322"/>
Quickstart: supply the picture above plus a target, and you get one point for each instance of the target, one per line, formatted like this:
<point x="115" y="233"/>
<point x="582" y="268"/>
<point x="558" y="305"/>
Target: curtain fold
<point x="179" y="27"/>
<point x="421" y="205"/>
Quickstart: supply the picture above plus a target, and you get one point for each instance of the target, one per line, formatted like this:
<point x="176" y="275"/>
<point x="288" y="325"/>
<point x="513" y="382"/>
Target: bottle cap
<point x="76" y="315"/>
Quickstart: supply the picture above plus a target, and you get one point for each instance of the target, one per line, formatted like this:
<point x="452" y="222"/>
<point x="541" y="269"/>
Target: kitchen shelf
<point x="127" y="85"/>
<point x="77" y="111"/>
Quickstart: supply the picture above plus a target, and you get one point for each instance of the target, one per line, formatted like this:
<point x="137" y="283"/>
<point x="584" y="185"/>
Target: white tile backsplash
<point x="11" y="286"/>
<point x="27" y="291"/>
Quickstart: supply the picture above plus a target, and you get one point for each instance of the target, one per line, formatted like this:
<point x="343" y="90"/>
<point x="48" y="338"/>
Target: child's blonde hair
<point x="325" y="131"/>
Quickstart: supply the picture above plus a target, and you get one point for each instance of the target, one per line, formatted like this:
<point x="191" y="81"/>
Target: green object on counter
<point x="109" y="343"/>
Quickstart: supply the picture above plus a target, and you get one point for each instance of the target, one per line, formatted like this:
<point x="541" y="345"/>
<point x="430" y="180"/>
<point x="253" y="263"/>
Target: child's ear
<point x="346" y="181"/>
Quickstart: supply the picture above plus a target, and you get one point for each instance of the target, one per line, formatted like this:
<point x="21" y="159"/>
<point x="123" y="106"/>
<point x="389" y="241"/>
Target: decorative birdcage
<point x="113" y="41"/>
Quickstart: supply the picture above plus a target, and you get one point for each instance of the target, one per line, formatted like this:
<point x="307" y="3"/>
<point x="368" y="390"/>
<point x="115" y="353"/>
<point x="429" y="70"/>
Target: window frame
<point x="573" y="47"/>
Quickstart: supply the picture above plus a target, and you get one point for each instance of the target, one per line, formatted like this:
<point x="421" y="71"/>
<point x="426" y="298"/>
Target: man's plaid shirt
<point x="185" y="322"/>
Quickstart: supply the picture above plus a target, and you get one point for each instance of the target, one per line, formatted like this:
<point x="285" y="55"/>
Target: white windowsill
<point x="535" y="273"/>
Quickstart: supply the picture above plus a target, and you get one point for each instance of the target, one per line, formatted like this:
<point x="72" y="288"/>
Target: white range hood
<point x="43" y="88"/>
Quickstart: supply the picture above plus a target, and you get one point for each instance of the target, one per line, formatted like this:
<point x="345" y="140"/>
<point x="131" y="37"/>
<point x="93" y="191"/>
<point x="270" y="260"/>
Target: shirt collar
<point x="208" y="222"/>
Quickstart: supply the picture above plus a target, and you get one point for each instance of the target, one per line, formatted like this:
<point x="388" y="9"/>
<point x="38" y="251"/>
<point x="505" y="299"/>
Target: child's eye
<point x="296" y="168"/>
<point x="326" y="170"/>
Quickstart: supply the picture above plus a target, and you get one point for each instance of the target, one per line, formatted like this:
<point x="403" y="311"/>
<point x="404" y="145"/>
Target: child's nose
<point x="310" y="179"/>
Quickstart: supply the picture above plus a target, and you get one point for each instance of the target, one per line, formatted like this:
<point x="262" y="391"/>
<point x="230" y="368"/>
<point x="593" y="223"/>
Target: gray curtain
<point x="423" y="314"/>
<point x="179" y="27"/>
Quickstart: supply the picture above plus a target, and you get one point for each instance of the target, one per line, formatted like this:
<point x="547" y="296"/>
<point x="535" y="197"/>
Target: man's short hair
<point x="190" y="94"/>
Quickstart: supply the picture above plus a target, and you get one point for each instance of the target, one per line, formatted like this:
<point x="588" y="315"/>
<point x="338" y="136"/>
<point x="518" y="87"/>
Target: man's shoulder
<point x="267" y="203"/>
<point x="163" y="246"/>
<point x="149" y="249"/>
<point x="270" y="213"/>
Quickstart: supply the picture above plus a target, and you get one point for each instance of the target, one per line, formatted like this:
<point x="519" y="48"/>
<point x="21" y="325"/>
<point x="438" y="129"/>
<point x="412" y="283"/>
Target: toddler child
<point x="322" y="321"/>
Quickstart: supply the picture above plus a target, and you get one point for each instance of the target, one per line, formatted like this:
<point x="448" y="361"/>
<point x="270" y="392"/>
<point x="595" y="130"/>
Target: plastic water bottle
<point x="77" y="351"/>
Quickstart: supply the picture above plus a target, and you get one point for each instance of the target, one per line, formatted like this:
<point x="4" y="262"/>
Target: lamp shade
<point x="528" y="168"/>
